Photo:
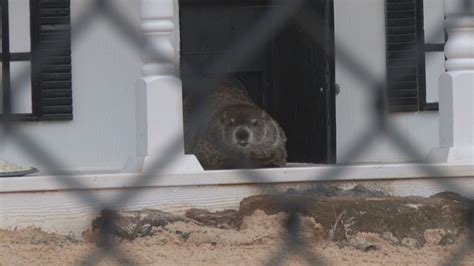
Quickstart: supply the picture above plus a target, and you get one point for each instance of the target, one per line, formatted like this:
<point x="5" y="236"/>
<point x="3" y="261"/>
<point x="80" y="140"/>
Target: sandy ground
<point x="257" y="242"/>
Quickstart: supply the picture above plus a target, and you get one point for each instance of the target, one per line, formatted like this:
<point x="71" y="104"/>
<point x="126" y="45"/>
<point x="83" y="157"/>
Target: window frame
<point x="37" y="95"/>
<point x="6" y="58"/>
<point x="423" y="49"/>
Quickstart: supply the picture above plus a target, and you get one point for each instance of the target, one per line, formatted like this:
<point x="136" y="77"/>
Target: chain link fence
<point x="241" y="52"/>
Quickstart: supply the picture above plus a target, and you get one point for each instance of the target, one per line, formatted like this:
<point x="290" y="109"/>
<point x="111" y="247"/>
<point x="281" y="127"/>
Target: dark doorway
<point x="292" y="78"/>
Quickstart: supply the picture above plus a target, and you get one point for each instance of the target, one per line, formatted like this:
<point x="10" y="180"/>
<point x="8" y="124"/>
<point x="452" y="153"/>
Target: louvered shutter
<point x="405" y="55"/>
<point x="51" y="59"/>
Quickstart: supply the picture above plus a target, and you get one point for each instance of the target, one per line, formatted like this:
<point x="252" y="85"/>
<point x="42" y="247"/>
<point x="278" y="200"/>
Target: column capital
<point x="459" y="23"/>
<point x="157" y="26"/>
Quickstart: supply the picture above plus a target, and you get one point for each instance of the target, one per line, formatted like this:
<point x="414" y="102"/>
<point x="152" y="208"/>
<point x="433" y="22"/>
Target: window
<point x="36" y="50"/>
<point x="415" y="57"/>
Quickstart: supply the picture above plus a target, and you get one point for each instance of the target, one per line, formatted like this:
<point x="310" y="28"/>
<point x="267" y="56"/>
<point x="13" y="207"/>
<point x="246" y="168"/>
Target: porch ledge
<point x="233" y="177"/>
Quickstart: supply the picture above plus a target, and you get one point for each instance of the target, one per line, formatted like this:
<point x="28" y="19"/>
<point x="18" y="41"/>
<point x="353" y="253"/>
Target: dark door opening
<point x="293" y="78"/>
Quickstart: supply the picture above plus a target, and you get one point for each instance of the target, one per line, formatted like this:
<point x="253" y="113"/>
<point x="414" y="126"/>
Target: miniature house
<point x="83" y="107"/>
<point x="108" y="106"/>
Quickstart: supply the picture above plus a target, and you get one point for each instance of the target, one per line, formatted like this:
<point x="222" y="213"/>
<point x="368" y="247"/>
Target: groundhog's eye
<point x="232" y="120"/>
<point x="254" y="121"/>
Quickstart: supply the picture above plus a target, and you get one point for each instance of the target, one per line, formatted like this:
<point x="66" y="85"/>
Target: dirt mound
<point x="340" y="215"/>
<point x="336" y="226"/>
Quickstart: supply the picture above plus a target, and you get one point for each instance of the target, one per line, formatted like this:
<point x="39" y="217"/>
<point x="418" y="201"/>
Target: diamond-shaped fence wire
<point x="243" y="51"/>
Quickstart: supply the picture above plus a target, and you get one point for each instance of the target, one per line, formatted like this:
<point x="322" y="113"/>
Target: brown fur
<point x="233" y="117"/>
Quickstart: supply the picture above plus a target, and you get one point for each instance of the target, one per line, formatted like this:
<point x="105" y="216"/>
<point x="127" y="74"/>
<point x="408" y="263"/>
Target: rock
<point x="133" y="224"/>
<point x="410" y="242"/>
<point x="365" y="246"/>
<point x="221" y="219"/>
<point x="434" y="236"/>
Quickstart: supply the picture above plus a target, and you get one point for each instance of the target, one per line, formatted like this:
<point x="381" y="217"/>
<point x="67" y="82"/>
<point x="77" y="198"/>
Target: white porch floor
<point x="290" y="174"/>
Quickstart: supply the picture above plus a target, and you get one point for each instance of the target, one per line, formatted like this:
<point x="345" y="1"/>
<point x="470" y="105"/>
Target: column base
<point x="452" y="155"/>
<point x="181" y="164"/>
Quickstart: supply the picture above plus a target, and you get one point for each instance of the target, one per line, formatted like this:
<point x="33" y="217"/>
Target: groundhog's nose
<point x="242" y="136"/>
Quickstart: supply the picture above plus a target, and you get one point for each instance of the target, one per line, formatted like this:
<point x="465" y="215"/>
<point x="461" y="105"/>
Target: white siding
<point x="360" y="29"/>
<point x="105" y="67"/>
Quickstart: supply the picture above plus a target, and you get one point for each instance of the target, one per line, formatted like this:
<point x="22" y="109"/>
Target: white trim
<point x="234" y="177"/>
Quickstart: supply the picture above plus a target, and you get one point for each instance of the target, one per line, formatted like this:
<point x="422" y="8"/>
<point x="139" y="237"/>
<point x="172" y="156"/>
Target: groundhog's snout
<point x="242" y="136"/>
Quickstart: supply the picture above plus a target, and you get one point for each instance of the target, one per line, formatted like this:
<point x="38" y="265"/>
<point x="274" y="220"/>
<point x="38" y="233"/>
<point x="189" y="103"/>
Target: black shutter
<point x="51" y="59"/>
<point x="405" y="55"/>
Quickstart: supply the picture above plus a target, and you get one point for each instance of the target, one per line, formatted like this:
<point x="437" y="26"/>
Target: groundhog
<point x="238" y="134"/>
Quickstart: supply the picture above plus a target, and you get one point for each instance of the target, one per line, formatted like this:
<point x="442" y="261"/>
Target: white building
<point x="117" y="108"/>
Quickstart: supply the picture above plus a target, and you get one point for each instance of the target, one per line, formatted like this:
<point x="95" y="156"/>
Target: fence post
<point x="159" y="92"/>
<point x="456" y="91"/>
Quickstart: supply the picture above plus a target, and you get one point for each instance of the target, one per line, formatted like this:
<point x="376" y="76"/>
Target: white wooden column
<point x="158" y="93"/>
<point x="456" y="92"/>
